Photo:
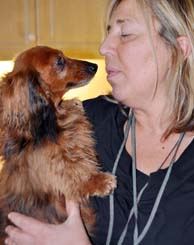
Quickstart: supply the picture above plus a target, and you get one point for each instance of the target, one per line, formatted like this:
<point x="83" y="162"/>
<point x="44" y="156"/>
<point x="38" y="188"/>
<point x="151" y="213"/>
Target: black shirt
<point x="174" y="220"/>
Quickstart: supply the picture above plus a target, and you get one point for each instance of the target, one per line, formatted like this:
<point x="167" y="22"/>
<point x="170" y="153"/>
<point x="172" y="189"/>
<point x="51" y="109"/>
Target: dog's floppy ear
<point x="42" y="111"/>
<point x="26" y="109"/>
<point x="14" y="102"/>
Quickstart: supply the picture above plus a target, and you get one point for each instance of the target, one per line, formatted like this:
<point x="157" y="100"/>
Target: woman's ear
<point x="185" y="45"/>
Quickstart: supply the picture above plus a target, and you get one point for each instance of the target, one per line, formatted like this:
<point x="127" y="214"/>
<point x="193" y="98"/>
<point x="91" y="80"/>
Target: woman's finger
<point x="24" y="222"/>
<point x="8" y="241"/>
<point x="72" y="209"/>
<point x="16" y="236"/>
<point x="32" y="232"/>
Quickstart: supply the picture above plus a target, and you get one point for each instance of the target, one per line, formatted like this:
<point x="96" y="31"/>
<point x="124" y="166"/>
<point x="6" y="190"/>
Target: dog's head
<point x="57" y="72"/>
<point x="40" y="77"/>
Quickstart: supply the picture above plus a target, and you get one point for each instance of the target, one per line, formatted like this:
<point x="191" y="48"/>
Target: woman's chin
<point x="117" y="94"/>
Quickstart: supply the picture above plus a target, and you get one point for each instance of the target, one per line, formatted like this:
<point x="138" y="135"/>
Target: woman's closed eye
<point x="125" y="34"/>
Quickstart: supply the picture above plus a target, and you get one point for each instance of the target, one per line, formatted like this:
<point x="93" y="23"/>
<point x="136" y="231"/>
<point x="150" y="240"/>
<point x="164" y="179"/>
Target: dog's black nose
<point x="92" y="68"/>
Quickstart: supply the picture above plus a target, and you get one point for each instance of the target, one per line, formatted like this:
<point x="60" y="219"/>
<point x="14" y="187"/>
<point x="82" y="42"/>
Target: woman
<point x="149" y="59"/>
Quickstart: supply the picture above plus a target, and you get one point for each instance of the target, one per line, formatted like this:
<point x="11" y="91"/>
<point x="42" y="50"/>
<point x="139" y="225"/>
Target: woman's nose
<point x="105" y="46"/>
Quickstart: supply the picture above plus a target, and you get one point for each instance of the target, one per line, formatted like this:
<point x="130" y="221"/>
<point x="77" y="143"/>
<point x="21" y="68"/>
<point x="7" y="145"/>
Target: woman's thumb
<point x="72" y="209"/>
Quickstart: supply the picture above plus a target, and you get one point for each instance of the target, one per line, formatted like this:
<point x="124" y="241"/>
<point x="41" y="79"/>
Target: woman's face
<point x="133" y="67"/>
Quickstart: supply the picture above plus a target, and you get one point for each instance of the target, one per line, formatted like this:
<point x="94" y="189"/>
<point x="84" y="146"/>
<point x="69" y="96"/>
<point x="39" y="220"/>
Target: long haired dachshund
<point x="46" y="142"/>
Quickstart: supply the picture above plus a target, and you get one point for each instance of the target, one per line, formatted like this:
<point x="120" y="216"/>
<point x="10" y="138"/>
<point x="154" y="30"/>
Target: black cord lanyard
<point x="137" y="238"/>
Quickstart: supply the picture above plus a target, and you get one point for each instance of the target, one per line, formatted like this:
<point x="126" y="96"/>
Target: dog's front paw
<point x="108" y="184"/>
<point x="101" y="184"/>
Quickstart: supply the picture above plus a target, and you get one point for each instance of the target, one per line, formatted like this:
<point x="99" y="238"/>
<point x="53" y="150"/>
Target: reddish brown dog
<point x="47" y="143"/>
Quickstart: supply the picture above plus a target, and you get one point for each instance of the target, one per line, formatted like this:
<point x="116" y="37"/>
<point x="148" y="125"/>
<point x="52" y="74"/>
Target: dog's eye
<point x="60" y="62"/>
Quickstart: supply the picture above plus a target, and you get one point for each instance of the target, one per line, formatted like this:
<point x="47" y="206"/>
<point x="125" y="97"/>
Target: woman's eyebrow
<point x="121" y="21"/>
<point x="128" y="20"/>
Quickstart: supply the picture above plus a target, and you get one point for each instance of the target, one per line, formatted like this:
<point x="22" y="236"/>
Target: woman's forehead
<point x="127" y="11"/>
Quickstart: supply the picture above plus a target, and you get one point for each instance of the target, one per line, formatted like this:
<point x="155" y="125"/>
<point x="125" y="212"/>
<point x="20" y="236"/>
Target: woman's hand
<point x="33" y="232"/>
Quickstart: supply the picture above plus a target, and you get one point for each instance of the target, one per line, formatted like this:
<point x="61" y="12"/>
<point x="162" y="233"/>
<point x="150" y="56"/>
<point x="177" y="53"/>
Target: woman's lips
<point x="111" y="73"/>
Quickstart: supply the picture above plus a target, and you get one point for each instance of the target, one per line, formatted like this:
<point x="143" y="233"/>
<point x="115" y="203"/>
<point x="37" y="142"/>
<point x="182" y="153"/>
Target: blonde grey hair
<point x="176" y="18"/>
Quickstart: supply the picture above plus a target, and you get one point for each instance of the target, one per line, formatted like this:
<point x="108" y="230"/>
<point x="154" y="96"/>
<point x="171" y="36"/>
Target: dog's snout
<point x="92" y="68"/>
